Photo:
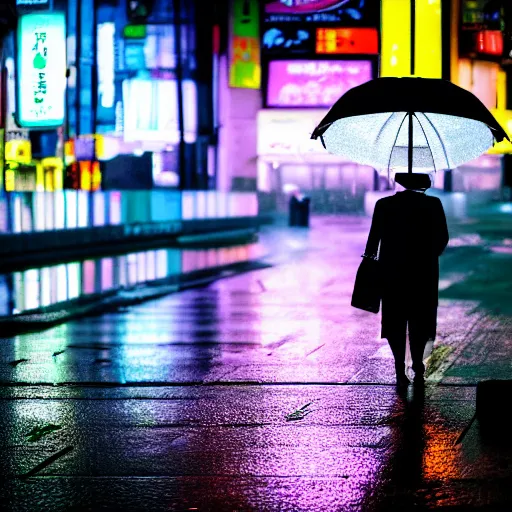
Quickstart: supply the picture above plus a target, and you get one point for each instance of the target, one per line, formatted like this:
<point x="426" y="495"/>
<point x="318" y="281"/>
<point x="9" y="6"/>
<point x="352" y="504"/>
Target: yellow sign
<point x="395" y="59"/>
<point x="428" y="44"/>
<point x="504" y="117"/>
<point x="2" y="158"/>
<point x="245" y="65"/>
<point x="396" y="37"/>
<point x="53" y="173"/>
<point x="18" y="151"/>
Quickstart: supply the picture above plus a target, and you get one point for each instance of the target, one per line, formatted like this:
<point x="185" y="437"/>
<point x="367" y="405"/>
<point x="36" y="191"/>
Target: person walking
<point x="407" y="235"/>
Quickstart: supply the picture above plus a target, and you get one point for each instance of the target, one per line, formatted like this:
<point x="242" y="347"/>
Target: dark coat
<point x="412" y="232"/>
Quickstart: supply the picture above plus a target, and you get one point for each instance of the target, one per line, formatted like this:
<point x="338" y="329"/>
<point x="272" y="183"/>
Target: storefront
<point x="483" y="68"/>
<point x="312" y="53"/>
<point x="154" y="63"/>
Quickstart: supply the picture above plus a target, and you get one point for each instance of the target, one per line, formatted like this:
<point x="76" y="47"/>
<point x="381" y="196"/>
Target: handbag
<point x="367" y="292"/>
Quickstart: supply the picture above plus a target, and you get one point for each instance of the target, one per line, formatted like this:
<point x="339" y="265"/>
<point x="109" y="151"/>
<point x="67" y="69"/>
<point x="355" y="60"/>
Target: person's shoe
<point x="419" y="380"/>
<point x="402" y="381"/>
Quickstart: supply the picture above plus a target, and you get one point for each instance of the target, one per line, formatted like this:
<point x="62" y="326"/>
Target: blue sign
<point x="286" y="39"/>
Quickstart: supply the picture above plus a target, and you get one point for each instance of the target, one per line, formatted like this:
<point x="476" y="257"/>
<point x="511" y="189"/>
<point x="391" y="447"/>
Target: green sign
<point x="41" y="85"/>
<point x="134" y="31"/>
<point x="245" y="66"/>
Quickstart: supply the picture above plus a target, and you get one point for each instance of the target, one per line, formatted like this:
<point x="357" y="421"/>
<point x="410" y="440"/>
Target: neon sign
<point x="348" y="12"/>
<point x="303" y="83"/>
<point x="42" y="70"/>
<point x="347" y="40"/>
<point x="302" y="6"/>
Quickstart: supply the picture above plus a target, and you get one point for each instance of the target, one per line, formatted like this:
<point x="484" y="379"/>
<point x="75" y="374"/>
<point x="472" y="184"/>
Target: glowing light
<point x="42" y="69"/>
<point x="347" y="40"/>
<point x="490" y="42"/>
<point x="428" y="41"/>
<point x="60" y="207"/>
<point x="106" y="86"/>
<point x="504" y="117"/>
<point x="395" y="38"/>
<point x="157" y="118"/>
<point x="62" y="283"/>
<point x="18" y="151"/>
<point x="74" y="277"/>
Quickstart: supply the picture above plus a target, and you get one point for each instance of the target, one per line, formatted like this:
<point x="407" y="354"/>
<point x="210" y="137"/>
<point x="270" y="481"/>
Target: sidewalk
<point x="186" y="402"/>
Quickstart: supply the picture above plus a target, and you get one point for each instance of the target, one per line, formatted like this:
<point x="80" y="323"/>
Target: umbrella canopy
<point x="420" y="123"/>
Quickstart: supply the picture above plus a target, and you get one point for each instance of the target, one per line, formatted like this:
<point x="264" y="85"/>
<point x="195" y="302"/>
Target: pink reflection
<point x="89" y="275"/>
<point x="107" y="274"/>
<point x="114" y="207"/>
<point x="188" y="261"/>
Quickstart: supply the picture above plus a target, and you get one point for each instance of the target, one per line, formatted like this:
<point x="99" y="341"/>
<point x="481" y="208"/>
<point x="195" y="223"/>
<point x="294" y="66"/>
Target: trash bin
<point x="299" y="211"/>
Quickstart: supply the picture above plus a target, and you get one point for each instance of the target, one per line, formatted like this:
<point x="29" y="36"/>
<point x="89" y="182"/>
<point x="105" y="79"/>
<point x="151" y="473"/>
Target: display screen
<point x="309" y="83"/>
<point x="285" y="38"/>
<point x="349" y="12"/>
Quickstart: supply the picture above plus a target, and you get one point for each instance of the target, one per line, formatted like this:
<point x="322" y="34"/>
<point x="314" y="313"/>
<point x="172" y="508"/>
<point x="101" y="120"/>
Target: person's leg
<point x="417" y="350"/>
<point x="397" y="345"/>
<point x="397" y="340"/>
<point x="418" y="338"/>
<point x="394" y="329"/>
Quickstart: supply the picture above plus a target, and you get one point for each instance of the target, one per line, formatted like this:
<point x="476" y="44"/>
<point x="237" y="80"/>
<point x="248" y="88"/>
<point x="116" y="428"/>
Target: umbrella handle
<point x="411" y="143"/>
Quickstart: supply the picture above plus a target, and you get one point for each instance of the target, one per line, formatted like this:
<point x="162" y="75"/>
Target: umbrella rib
<point x="426" y="138"/>
<point x="396" y="138"/>
<point x="384" y="124"/>
<point x="440" y="140"/>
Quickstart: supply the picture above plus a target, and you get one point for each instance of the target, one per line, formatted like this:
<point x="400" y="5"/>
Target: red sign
<point x="363" y="41"/>
<point x="490" y="42"/>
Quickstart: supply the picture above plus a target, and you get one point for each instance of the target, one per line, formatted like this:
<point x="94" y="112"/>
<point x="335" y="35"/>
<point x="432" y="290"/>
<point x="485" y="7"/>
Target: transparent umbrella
<point x="416" y="123"/>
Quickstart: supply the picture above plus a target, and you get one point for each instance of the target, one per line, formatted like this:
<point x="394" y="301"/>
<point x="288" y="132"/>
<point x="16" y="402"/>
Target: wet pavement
<point x="264" y="391"/>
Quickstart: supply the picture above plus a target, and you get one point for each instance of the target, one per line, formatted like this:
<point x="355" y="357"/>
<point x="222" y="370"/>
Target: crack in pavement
<point x="47" y="462"/>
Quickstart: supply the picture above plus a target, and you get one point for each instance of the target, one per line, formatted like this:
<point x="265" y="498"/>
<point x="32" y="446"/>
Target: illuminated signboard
<point x="286" y="38"/>
<point x="156" y="119"/>
<point x="490" y="42"/>
<point x="105" y="62"/>
<point x="288" y="132"/>
<point x="245" y="64"/>
<point x="472" y="14"/>
<point x="134" y="31"/>
<point x="482" y="28"/>
<point x="42" y="69"/>
<point x="353" y="12"/>
<point x="396" y="38"/>
<point x="302" y="6"/>
<point x="347" y="40"/>
<point x="481" y="15"/>
<point x="39" y="4"/>
<point x="309" y="83"/>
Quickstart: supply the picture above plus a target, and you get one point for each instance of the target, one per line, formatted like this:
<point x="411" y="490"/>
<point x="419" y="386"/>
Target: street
<point x="264" y="391"/>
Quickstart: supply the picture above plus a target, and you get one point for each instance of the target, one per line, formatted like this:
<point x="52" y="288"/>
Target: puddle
<point x="36" y="288"/>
